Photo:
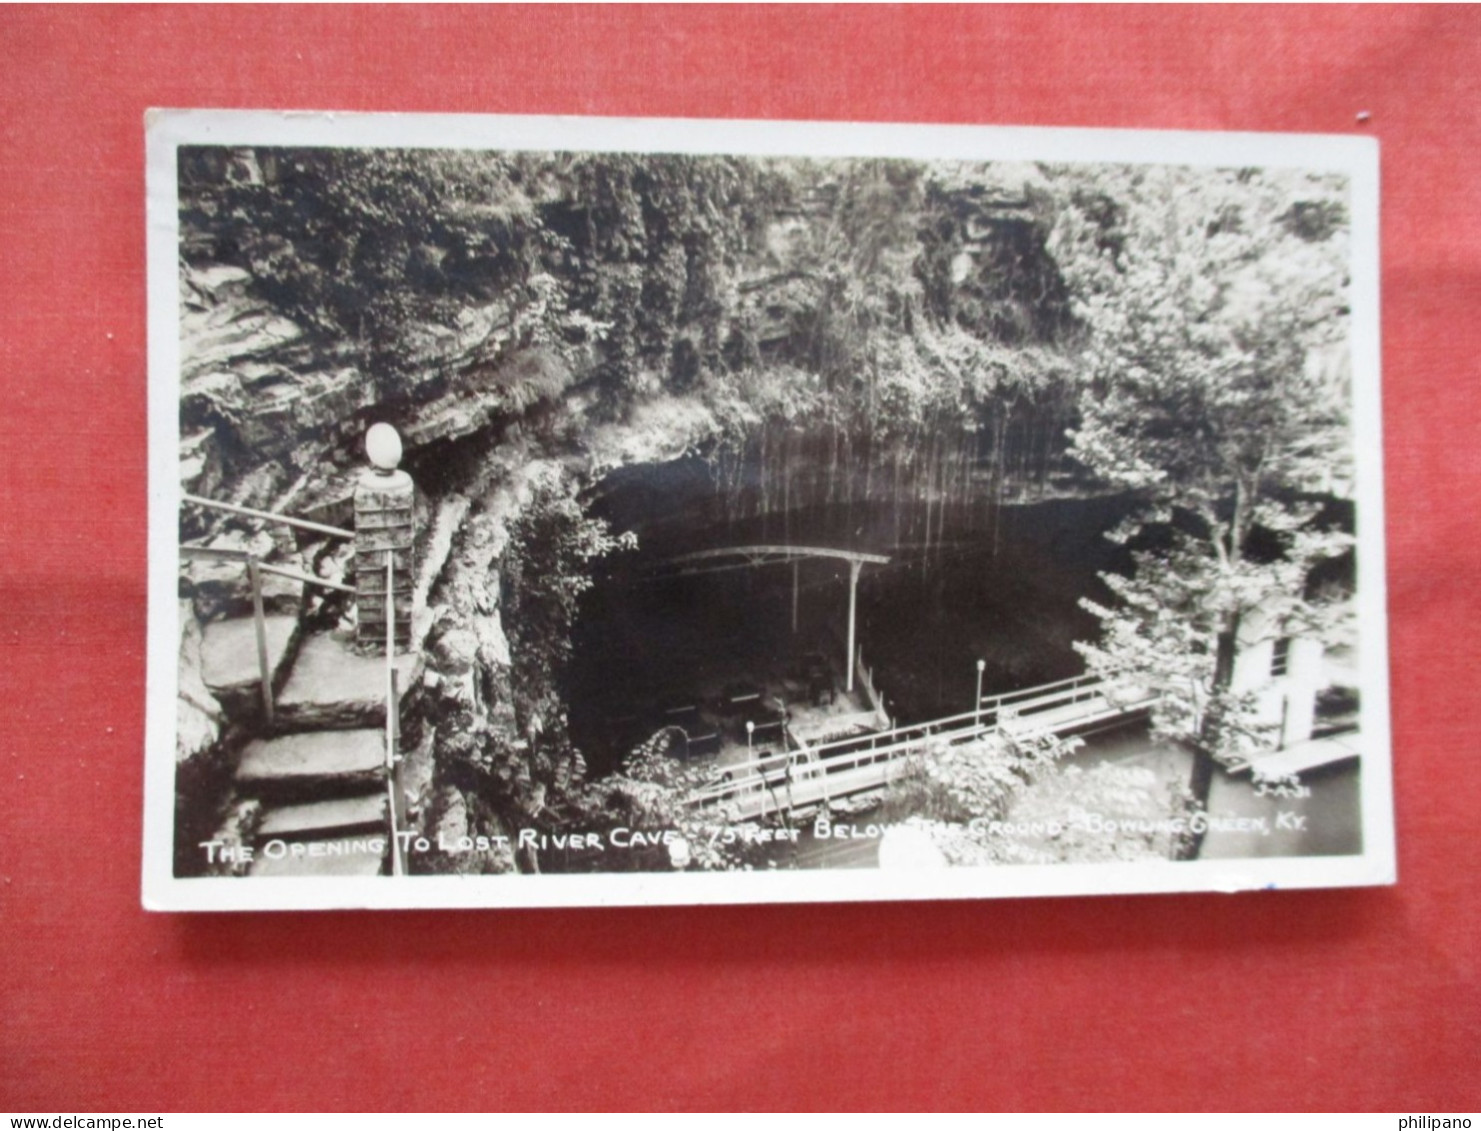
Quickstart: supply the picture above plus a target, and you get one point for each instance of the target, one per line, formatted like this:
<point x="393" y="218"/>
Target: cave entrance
<point x="725" y="660"/>
<point x="687" y="617"/>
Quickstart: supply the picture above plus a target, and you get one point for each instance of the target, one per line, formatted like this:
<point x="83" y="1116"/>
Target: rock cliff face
<point x="199" y="715"/>
<point x="470" y="697"/>
<point x="272" y="414"/>
<point x="491" y="400"/>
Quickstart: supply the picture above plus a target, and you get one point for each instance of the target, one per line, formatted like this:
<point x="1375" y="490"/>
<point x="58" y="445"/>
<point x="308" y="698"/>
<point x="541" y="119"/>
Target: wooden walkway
<point x="820" y="774"/>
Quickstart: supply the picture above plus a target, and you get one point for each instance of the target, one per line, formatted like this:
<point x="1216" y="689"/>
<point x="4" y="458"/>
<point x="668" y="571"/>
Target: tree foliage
<point x="976" y="781"/>
<point x="363" y="243"/>
<point x="1215" y="302"/>
<point x="909" y="290"/>
<point x="651" y="791"/>
<point x="1101" y="814"/>
<point x="544" y="572"/>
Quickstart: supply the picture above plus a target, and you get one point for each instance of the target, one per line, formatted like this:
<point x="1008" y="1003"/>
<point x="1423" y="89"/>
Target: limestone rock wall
<point x="272" y="412"/>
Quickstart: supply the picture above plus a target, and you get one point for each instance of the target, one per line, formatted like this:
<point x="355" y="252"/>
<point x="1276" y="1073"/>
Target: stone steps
<point x="221" y="586"/>
<point x="229" y="664"/>
<point x="316" y="819"/>
<point x="313" y="765"/>
<point x="334" y="687"/>
<point x="320" y="771"/>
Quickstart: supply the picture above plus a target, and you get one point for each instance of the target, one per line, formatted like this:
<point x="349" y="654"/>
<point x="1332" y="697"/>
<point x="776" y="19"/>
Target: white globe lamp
<point x="383" y="446"/>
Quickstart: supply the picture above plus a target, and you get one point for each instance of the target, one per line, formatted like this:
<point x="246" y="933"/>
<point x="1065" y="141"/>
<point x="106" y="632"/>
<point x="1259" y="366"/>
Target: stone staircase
<point x="319" y="773"/>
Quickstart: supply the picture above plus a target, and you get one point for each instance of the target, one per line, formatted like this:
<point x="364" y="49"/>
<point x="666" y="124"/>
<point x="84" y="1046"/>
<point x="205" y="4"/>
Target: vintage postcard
<point x="561" y="511"/>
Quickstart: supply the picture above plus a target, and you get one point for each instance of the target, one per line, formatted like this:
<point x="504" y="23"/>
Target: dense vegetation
<point x="899" y="308"/>
<point x="1218" y="390"/>
<point x="872" y="330"/>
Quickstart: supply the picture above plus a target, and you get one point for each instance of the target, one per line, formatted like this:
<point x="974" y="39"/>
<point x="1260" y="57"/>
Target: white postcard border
<point x="166" y="130"/>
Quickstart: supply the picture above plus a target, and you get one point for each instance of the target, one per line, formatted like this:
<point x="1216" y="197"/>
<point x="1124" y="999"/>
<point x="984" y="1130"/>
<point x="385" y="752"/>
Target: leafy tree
<point x="1071" y="815"/>
<point x="544" y="572"/>
<point x="651" y="791"/>
<point x="365" y="243"/>
<point x="1215" y="302"/>
<point x="958" y="790"/>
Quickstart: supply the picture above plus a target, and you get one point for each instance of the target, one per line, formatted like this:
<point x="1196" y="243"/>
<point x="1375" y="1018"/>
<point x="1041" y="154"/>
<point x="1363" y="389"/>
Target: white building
<point x="1284" y="671"/>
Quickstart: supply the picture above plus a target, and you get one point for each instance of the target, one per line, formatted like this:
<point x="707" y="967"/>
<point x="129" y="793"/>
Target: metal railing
<point x="269" y="516"/>
<point x="255" y="569"/>
<point x="1089" y="698"/>
<point x="393" y="722"/>
<point x="830" y="758"/>
<point x="864" y="761"/>
<point x="1075" y="685"/>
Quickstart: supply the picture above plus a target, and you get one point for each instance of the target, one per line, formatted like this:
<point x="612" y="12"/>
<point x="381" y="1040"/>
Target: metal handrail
<point x="281" y="571"/>
<point x="266" y="567"/>
<point x="927" y="728"/>
<point x="763" y="773"/>
<point x="393" y="718"/>
<point x="254" y="577"/>
<point x="271" y="516"/>
<point x="255" y="569"/>
<point x="1002" y="697"/>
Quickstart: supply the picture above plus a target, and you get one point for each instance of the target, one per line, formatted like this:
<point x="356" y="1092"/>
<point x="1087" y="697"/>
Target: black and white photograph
<point x="582" y="511"/>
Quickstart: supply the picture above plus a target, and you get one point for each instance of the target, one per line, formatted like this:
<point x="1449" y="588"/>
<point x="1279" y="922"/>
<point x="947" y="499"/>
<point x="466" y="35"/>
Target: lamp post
<point x="854" y="567"/>
<point x="750" y="749"/>
<point x="977" y="702"/>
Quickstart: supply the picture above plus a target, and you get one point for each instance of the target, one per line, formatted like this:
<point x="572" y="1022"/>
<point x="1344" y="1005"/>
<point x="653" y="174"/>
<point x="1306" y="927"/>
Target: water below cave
<point x="999" y="584"/>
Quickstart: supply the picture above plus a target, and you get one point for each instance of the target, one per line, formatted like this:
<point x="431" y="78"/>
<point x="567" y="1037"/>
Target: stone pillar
<point x="385" y="527"/>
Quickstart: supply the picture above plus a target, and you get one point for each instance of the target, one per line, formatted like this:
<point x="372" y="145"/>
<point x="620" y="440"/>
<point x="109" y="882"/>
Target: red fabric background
<point x="1364" y="998"/>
